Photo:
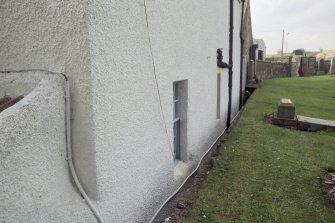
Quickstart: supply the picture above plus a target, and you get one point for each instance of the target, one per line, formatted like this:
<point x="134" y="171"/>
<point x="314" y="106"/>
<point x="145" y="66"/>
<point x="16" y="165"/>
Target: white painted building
<point x="147" y="97"/>
<point x="260" y="49"/>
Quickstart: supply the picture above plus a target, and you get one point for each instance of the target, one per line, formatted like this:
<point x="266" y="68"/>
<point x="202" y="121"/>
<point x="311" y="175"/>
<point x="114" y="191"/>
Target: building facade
<point x="260" y="53"/>
<point x="147" y="96"/>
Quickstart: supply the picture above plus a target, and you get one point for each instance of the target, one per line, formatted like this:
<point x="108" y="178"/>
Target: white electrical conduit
<point x="68" y="138"/>
<point x="191" y="174"/>
<point x="69" y="155"/>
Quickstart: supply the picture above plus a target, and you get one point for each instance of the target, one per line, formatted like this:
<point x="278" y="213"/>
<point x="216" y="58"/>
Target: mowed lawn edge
<point x="270" y="174"/>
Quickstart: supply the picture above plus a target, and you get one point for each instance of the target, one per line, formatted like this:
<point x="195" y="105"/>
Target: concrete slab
<point x="314" y="124"/>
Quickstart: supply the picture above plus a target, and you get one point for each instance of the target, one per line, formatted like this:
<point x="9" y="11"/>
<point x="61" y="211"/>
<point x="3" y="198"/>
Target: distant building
<point x="260" y="49"/>
<point x="298" y="52"/>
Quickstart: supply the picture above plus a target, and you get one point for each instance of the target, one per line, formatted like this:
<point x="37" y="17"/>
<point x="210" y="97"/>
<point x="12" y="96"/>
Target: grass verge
<point x="271" y="174"/>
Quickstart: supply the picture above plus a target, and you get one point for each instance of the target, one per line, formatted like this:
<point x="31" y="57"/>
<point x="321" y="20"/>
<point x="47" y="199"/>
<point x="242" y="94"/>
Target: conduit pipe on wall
<point x="68" y="137"/>
<point x="191" y="174"/>
<point x="230" y="76"/>
<point x="187" y="178"/>
<point x="69" y="154"/>
<point x="241" y="58"/>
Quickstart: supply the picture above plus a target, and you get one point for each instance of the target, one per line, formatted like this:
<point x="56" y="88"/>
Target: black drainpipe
<point x="241" y="60"/>
<point x="230" y="77"/>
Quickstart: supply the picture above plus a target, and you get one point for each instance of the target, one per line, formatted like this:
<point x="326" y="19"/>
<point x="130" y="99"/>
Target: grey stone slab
<point x="314" y="124"/>
<point x="318" y="121"/>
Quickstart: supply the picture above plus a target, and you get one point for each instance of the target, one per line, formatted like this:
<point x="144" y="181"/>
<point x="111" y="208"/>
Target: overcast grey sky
<point x="311" y="23"/>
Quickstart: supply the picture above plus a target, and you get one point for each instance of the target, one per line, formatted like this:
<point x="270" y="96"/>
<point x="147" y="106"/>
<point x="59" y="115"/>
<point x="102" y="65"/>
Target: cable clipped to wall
<point x="191" y="174"/>
<point x="68" y="137"/>
<point x="156" y="81"/>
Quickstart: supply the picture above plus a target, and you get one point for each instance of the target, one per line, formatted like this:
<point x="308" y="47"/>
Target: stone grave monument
<point x="332" y="66"/>
<point x="321" y="67"/>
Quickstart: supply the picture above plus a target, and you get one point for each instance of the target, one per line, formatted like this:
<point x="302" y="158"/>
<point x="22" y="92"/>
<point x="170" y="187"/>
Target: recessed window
<point x="180" y="119"/>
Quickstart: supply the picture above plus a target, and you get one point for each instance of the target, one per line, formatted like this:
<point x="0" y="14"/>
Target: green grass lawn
<point x="271" y="174"/>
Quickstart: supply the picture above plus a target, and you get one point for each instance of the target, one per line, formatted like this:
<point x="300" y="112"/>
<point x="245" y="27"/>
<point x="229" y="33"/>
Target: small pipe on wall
<point x="231" y="42"/>
<point x="68" y="137"/>
<point x="241" y="59"/>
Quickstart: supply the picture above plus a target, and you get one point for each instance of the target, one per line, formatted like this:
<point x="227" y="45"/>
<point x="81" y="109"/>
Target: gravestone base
<point x="286" y="109"/>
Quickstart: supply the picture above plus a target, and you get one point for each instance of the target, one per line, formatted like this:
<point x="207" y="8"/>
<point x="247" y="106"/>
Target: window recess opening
<point x="180" y="94"/>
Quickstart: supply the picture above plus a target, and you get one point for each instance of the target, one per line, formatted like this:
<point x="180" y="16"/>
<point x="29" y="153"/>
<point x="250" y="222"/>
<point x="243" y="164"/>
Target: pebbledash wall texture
<point x="122" y="59"/>
<point x="35" y="183"/>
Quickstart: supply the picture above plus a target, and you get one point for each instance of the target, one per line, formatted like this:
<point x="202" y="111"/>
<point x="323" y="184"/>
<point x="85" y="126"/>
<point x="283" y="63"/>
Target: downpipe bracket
<point x="220" y="62"/>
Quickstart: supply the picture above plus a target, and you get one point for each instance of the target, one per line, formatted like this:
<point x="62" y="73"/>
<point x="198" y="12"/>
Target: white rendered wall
<point x="53" y="35"/>
<point x="123" y="152"/>
<point x="184" y="47"/>
<point x="135" y="165"/>
<point x="35" y="183"/>
<point x="236" y="59"/>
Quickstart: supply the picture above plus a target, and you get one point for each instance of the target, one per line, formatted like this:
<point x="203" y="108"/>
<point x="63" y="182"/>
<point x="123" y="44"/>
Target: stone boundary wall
<point x="284" y="59"/>
<point x="304" y="66"/>
<point x="268" y="70"/>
